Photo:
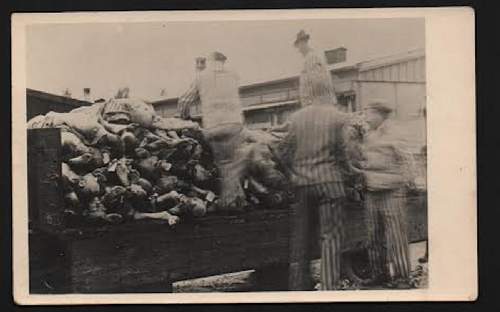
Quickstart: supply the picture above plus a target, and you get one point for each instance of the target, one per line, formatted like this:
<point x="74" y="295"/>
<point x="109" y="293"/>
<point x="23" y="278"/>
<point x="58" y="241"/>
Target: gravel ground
<point x="245" y="281"/>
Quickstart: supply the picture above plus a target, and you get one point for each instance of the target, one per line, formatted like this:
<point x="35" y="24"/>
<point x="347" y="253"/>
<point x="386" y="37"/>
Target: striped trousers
<point x="318" y="218"/>
<point x="388" y="250"/>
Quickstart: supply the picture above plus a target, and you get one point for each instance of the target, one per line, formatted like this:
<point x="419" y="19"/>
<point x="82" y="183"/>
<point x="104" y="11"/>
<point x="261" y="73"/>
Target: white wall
<point x="407" y="99"/>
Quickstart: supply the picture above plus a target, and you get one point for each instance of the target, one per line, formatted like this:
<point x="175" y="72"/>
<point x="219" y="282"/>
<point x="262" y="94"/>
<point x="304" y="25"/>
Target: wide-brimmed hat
<point x="301" y="36"/>
<point x="380" y="106"/>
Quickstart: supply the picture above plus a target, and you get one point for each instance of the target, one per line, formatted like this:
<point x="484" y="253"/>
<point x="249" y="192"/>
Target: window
<point x="347" y="102"/>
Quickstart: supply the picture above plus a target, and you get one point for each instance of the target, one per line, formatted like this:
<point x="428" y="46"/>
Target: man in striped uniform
<point x="313" y="150"/>
<point x="315" y="80"/>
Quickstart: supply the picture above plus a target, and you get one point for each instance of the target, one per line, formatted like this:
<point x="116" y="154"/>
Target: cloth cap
<point x="218" y="56"/>
<point x="380" y="105"/>
<point x="301" y="36"/>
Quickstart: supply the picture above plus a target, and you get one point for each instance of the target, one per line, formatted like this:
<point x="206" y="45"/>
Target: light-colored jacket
<point x="218" y="92"/>
<point x="387" y="165"/>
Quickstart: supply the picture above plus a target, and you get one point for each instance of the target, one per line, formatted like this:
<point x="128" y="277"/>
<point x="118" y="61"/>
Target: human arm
<point x="280" y="128"/>
<point x="285" y="150"/>
<point x="188" y="99"/>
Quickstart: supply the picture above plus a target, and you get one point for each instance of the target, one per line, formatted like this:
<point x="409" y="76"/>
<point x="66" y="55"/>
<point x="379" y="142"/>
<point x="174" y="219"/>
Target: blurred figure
<point x="386" y="172"/>
<point x="216" y="90"/>
<point x="313" y="152"/>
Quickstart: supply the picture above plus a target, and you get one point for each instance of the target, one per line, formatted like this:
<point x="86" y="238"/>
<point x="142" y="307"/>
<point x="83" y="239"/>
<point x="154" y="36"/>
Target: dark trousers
<point x="387" y="234"/>
<point x="318" y="218"/>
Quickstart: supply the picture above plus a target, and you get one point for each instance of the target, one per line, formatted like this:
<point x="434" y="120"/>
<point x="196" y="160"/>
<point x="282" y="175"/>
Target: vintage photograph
<point x="190" y="156"/>
<point x="236" y="156"/>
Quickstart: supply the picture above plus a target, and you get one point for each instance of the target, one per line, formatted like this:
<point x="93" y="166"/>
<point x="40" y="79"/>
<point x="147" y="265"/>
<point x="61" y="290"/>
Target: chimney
<point x="86" y="94"/>
<point x="67" y="93"/>
<point x="335" y="56"/>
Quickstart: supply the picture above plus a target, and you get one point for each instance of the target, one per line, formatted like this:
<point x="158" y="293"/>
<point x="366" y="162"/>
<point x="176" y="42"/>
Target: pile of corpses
<point x="123" y="162"/>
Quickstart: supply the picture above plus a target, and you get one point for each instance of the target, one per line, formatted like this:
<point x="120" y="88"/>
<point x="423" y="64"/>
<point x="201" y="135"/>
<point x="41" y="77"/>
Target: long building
<point x="399" y="79"/>
<point x="40" y="103"/>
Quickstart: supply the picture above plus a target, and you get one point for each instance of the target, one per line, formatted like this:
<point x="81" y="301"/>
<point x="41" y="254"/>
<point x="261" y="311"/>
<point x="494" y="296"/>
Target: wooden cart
<point x="148" y="256"/>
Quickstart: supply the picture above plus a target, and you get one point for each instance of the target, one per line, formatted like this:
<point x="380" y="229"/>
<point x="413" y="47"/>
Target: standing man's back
<point x="219" y="94"/>
<point x="319" y="154"/>
<point x="313" y="151"/>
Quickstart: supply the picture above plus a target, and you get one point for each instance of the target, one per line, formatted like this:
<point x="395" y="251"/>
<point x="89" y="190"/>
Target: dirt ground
<point x="245" y="281"/>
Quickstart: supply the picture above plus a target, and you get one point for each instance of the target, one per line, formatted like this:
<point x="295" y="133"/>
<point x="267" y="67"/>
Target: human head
<point x="217" y="59"/>
<point x="376" y="112"/>
<point x="201" y="63"/>
<point x="302" y="42"/>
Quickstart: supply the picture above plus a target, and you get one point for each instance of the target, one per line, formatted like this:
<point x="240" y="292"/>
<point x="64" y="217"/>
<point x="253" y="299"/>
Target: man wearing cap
<point x="387" y="171"/>
<point x="217" y="90"/>
<point x="315" y="81"/>
<point x="314" y="153"/>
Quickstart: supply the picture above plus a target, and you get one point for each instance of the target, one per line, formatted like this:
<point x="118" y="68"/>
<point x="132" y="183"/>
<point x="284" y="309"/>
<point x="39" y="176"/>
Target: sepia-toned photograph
<point x="207" y="156"/>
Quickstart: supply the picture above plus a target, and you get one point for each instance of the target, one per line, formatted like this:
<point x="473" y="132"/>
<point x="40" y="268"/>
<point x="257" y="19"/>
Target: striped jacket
<point x="315" y="82"/>
<point x="314" y="149"/>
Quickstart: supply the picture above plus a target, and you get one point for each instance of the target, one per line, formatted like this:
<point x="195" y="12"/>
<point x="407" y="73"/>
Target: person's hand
<point x="132" y="126"/>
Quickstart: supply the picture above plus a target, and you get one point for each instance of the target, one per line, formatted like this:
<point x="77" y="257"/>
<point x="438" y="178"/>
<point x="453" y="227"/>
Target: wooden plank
<point x="123" y="256"/>
<point x="49" y="265"/>
<point x="272" y="277"/>
<point x="44" y="179"/>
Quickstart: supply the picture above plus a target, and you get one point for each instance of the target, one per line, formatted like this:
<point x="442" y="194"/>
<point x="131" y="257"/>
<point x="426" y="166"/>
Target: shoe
<point x="374" y="281"/>
<point x="423" y="259"/>
<point x="398" y="284"/>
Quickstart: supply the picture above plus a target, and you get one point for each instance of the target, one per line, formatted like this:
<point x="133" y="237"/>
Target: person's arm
<point x="408" y="168"/>
<point x="352" y="135"/>
<point x="188" y="99"/>
<point x="280" y="128"/>
<point x="285" y="151"/>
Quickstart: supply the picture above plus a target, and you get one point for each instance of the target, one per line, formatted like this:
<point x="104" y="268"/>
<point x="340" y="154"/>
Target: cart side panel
<point x="144" y="253"/>
<point x="44" y="179"/>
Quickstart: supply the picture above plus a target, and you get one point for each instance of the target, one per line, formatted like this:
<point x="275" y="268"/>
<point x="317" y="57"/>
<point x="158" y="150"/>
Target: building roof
<point x="335" y="68"/>
<point x="269" y="105"/>
<point x="391" y="59"/>
<point x="56" y="98"/>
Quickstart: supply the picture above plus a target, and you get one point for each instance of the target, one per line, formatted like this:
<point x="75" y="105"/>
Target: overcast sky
<point x="148" y="57"/>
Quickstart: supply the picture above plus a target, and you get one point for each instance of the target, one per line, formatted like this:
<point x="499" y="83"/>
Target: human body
<point x="387" y="172"/>
<point x="216" y="89"/>
<point x="315" y="80"/>
<point x="314" y="153"/>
